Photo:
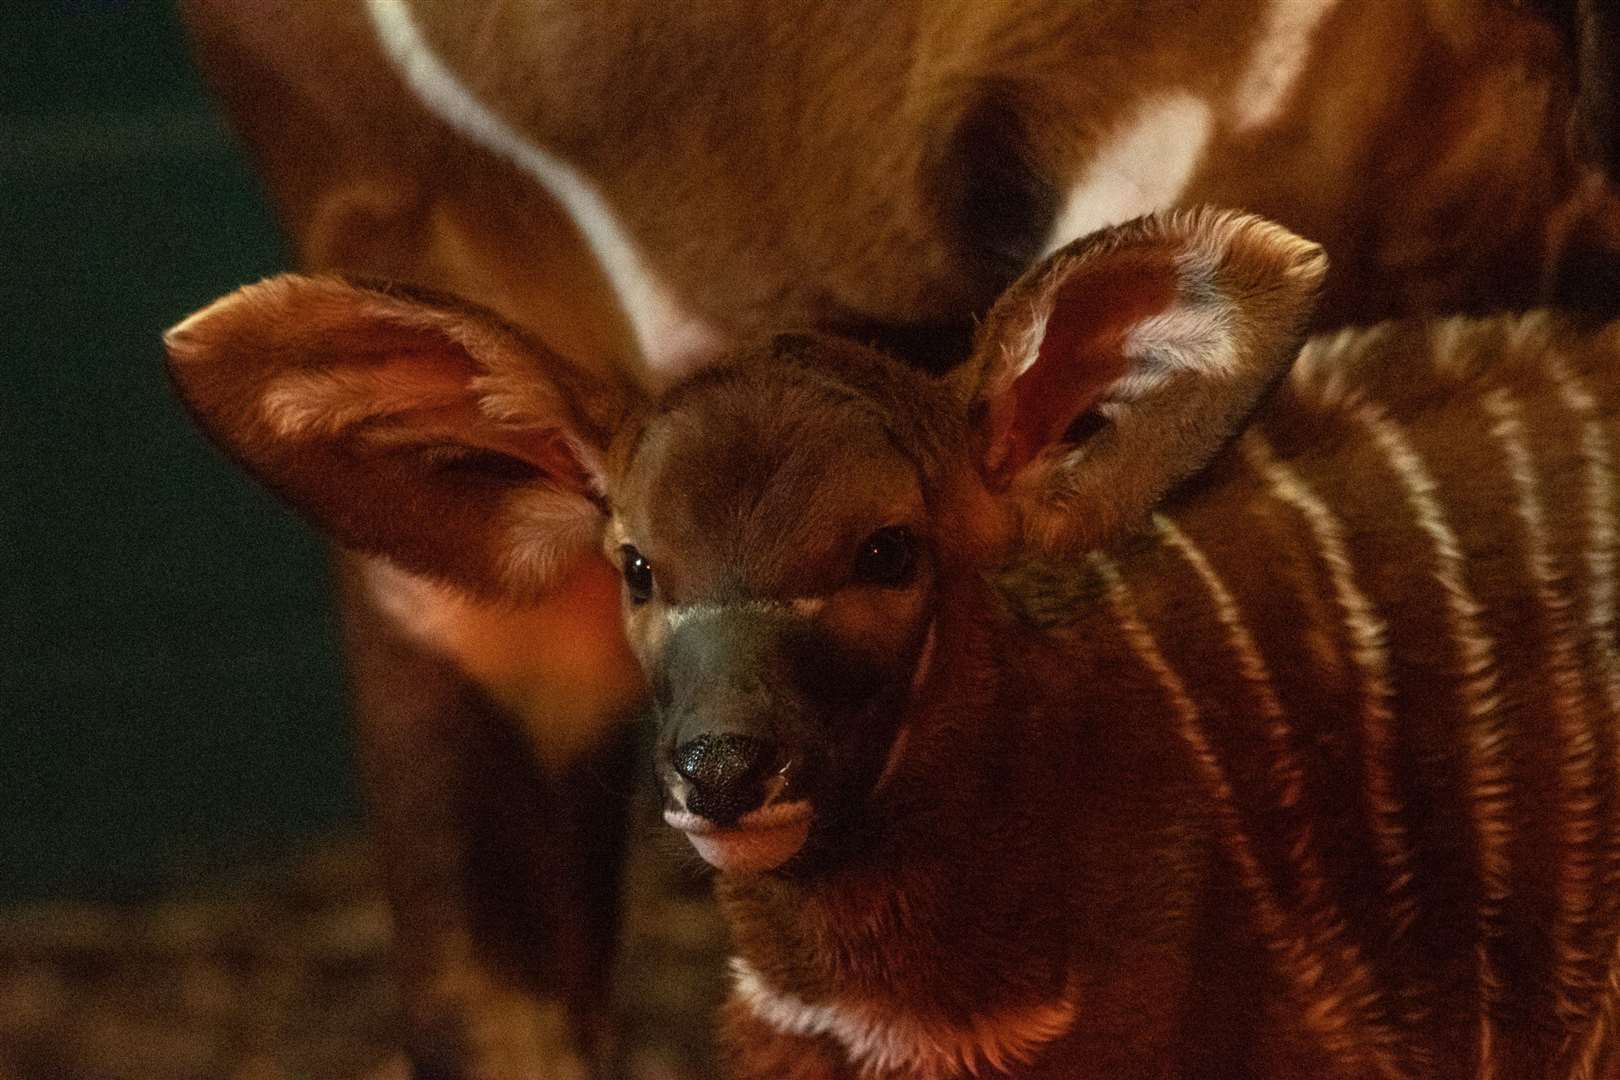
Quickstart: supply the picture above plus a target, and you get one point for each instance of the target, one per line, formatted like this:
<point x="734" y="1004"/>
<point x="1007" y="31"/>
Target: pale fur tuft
<point x="1198" y="332"/>
<point x="314" y="404"/>
<point x="1242" y="290"/>
<point x="882" y="1040"/>
<point x="549" y="529"/>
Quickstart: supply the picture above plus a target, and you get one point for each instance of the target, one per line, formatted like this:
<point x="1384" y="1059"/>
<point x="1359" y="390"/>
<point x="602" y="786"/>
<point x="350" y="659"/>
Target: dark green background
<point x="170" y="695"/>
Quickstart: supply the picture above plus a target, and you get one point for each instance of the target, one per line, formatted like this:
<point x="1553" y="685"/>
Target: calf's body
<point x="1127" y="703"/>
<point x="1314" y="776"/>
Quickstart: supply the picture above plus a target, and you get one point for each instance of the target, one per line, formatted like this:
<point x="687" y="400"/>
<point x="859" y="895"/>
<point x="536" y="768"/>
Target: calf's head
<point x="794" y="524"/>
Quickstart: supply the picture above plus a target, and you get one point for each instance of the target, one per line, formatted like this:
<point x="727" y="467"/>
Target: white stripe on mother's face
<point x="672" y="340"/>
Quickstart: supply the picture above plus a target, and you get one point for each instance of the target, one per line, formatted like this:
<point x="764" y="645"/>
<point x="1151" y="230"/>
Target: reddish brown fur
<point x="1050" y="830"/>
<point x="1426" y="146"/>
<point x="780" y="167"/>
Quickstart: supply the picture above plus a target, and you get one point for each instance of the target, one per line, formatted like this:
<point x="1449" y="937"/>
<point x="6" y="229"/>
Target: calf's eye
<point x="638" y="575"/>
<point x="888" y="558"/>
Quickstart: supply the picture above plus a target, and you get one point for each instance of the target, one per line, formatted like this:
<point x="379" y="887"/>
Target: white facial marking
<point x="882" y="1040"/>
<point x="800" y="607"/>
<point x="1278" y="59"/>
<point x="672" y="340"/>
<point x="1144" y="167"/>
<point x="761" y="839"/>
<point x="807" y="607"/>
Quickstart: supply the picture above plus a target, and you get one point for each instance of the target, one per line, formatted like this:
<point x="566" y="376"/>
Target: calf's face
<point x="792" y="525"/>
<point x="779" y="560"/>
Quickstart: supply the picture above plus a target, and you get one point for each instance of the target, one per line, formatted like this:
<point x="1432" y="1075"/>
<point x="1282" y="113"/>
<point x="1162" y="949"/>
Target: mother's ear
<point x="1125" y="361"/>
<point x="406" y="424"/>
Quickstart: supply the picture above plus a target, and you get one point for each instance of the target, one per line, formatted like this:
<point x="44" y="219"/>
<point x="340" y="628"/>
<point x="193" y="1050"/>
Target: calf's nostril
<point x="725" y="774"/>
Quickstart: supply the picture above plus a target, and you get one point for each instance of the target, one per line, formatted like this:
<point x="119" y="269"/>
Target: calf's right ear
<point x="1120" y="365"/>
<point x="405" y="424"/>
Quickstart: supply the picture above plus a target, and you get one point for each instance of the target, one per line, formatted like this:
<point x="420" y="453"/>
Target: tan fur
<point x="560" y="667"/>
<point x="1475" y="211"/>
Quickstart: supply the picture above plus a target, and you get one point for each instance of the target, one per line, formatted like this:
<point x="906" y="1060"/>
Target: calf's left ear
<point x="1120" y="365"/>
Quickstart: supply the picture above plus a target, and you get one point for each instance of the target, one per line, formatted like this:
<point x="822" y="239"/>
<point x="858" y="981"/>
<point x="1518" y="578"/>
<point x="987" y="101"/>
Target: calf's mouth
<point x="758" y="841"/>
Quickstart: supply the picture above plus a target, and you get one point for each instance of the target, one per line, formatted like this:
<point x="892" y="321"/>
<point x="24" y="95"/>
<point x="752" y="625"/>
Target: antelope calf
<point x="646" y="184"/>
<point x="1119" y="705"/>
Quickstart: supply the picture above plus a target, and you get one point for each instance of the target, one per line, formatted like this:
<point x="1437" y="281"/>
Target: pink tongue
<point x="750" y="851"/>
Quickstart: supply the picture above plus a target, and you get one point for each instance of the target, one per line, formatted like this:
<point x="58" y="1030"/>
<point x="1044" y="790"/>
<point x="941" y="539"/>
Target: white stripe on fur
<point x="1278" y="59"/>
<point x="1577" y="749"/>
<point x="798" y="607"/>
<point x="672" y="340"/>
<point x="1602" y="516"/>
<point x="1369" y="649"/>
<point x="1144" y="166"/>
<point x="1331" y="1004"/>
<point x="1602" y="542"/>
<point x="881" y="1040"/>
<point x="1489" y="781"/>
<point x="1324" y="923"/>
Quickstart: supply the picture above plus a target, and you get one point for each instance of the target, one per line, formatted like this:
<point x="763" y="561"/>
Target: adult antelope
<point x="1064" y="715"/>
<point x="644" y="183"/>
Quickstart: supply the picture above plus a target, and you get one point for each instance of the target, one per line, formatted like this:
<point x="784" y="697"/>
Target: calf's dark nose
<point x="725" y="774"/>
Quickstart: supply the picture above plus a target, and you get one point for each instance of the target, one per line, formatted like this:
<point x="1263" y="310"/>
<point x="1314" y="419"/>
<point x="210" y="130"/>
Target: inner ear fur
<point x="1124" y="362"/>
<point x="405" y="423"/>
